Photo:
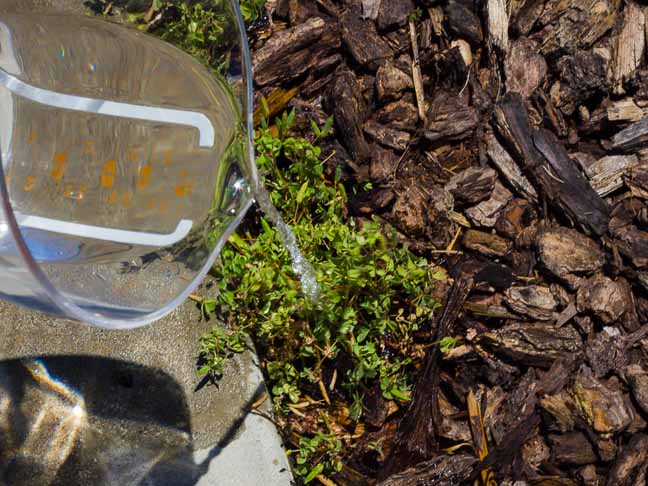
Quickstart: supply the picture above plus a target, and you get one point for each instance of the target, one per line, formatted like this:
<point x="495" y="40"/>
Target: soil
<point x="507" y="142"/>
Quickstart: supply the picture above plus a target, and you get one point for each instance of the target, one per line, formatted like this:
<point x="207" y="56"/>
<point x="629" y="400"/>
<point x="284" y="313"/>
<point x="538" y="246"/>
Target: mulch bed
<point x="510" y="144"/>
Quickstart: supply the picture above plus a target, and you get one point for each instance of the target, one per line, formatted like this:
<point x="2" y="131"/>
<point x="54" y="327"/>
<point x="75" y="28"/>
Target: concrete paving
<point x="141" y="412"/>
<point x="83" y="406"/>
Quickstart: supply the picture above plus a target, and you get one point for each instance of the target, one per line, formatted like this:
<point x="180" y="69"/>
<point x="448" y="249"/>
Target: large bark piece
<point x="293" y="52"/>
<point x="417" y="440"/>
<point x="540" y="153"/>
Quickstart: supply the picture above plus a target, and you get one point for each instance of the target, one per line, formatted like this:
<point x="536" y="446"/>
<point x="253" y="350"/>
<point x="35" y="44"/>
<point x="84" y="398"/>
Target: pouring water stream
<point x="300" y="265"/>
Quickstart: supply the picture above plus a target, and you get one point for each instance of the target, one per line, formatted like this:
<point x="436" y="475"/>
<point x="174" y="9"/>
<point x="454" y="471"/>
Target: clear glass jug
<point x="125" y="166"/>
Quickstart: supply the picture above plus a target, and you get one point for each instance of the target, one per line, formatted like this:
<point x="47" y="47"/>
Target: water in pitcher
<point x="124" y="159"/>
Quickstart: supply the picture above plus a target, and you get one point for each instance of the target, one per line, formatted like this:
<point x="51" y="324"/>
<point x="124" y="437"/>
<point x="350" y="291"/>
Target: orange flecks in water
<point x="60" y="159"/>
<point x="90" y="149"/>
<point x="134" y="153"/>
<point x="124" y="200"/>
<point x="30" y="183"/>
<point x="108" y="174"/>
<point x="113" y="198"/>
<point x="162" y="206"/>
<point x="184" y="187"/>
<point x="144" y="177"/>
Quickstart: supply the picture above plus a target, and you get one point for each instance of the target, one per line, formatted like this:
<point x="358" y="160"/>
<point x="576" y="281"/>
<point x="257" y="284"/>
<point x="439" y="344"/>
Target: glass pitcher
<point x="126" y="164"/>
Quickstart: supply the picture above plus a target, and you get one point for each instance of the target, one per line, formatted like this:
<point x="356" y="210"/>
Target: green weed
<point x="199" y="28"/>
<point x="252" y="9"/>
<point x="375" y="294"/>
<point x="316" y="455"/>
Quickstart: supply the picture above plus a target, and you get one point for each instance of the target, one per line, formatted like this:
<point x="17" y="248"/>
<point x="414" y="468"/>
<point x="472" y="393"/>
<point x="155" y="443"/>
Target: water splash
<point x="300" y="265"/>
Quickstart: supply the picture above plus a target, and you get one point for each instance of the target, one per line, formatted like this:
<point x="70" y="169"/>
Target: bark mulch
<point x="508" y="141"/>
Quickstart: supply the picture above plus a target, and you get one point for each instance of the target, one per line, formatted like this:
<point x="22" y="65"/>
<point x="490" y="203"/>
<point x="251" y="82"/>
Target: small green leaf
<point x="315" y="128"/>
<point x="265" y="107"/>
<point x="316" y="471"/>
<point x="302" y="192"/>
<point x="290" y="119"/>
<point x="327" y="127"/>
<point x="399" y="394"/>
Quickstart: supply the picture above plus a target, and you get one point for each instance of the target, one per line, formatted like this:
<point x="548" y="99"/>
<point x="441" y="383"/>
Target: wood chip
<point x="532" y="344"/>
<point x="387" y="136"/>
<point x="625" y="110"/>
<point x="572" y="448"/>
<point x="565" y="251"/>
<point x="606" y="174"/>
<point x="498" y="25"/>
<point x="543" y="156"/>
<point x="631" y="465"/>
<point x="363" y="42"/>
<point x="630" y="44"/>
<point x="487" y="244"/>
<point x="349" y="110"/>
<point x="391" y="81"/>
<point x="607" y="299"/>
<point x="600" y="405"/>
<point x="487" y="212"/>
<point x="533" y="301"/>
<point x="472" y="185"/>
<point x="509" y="169"/>
<point x="525" y="68"/>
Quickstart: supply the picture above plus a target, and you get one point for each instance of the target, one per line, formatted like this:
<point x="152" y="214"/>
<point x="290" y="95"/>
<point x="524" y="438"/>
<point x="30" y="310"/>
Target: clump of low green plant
<point x="252" y="10"/>
<point x="197" y="29"/>
<point x="316" y="455"/>
<point x="375" y="294"/>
